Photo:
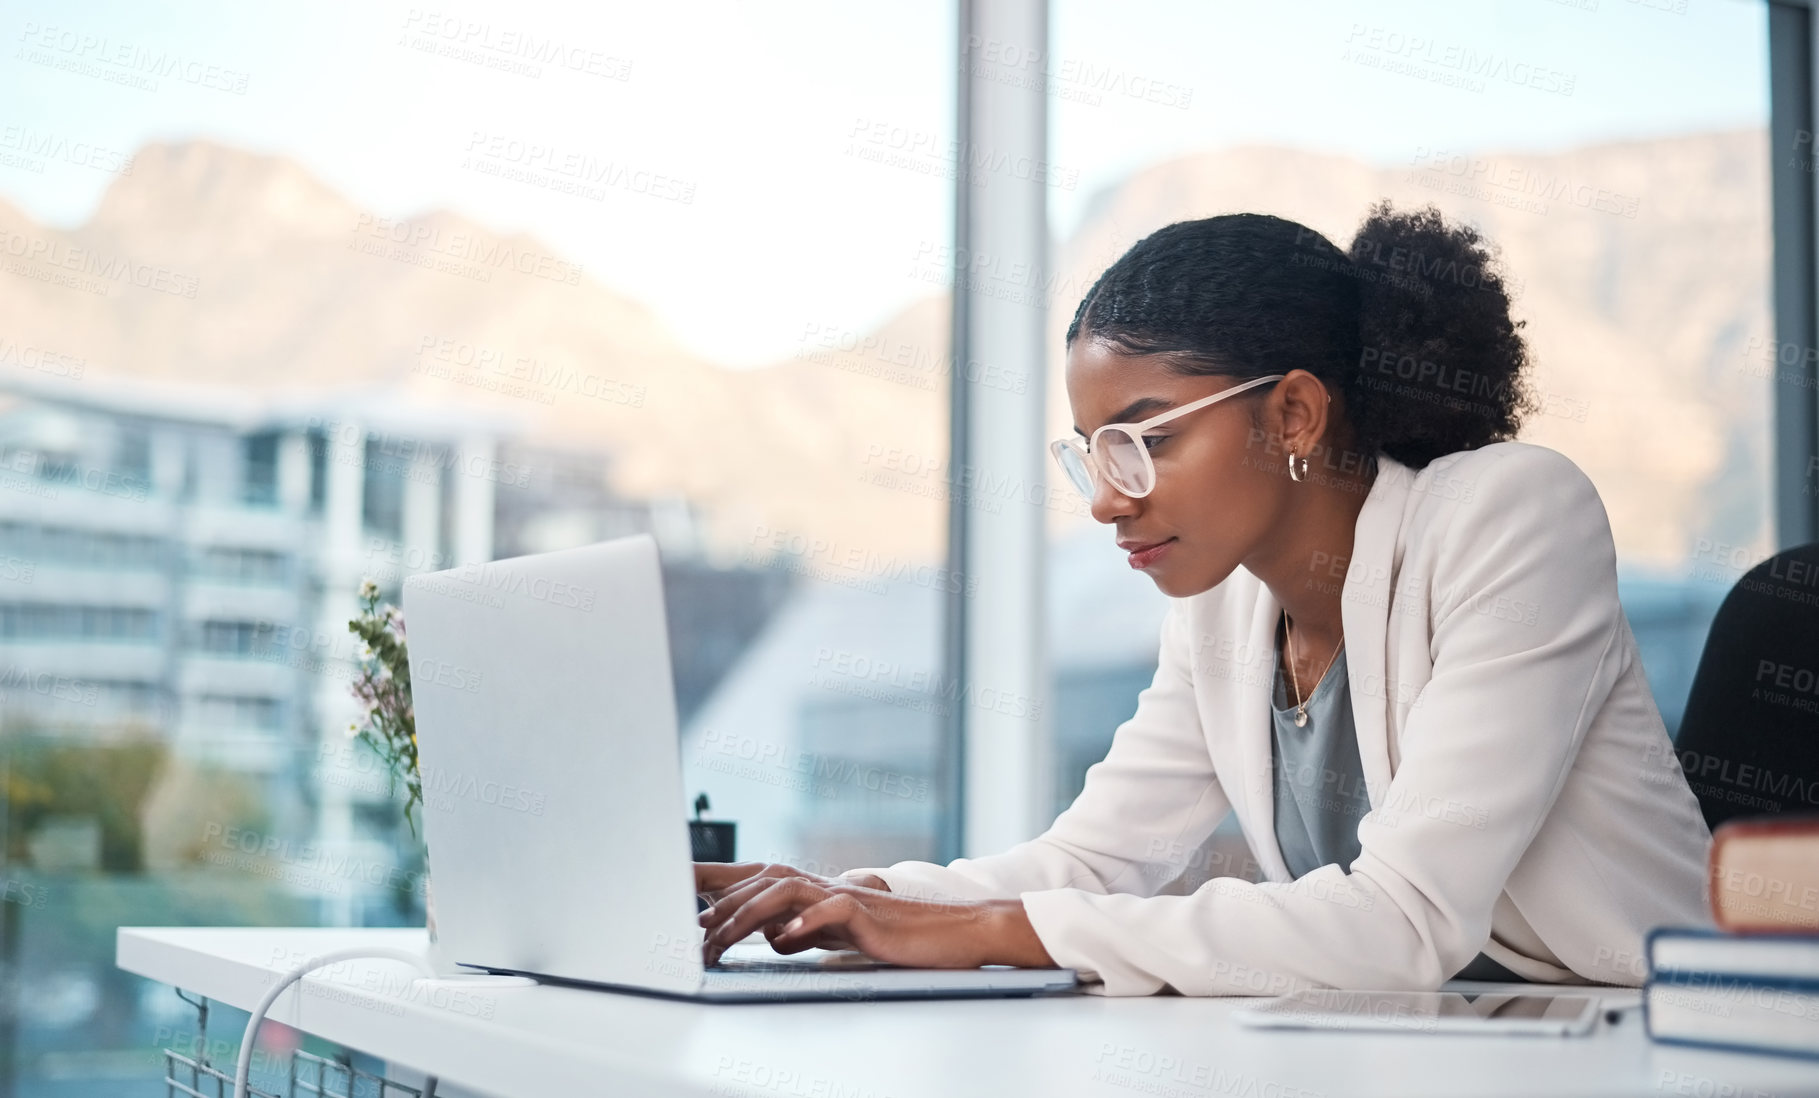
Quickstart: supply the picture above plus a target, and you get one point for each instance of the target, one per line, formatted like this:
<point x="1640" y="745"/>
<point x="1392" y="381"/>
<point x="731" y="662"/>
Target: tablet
<point x="1426" y="1012"/>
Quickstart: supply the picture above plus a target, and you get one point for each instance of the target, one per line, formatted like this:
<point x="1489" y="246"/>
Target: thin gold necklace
<point x="1301" y="704"/>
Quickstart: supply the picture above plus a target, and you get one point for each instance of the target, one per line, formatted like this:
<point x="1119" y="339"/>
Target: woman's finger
<point x="714" y="876"/>
<point x="829" y="938"/>
<point x="778" y="899"/>
<point x="755" y="906"/>
<point x="727" y="903"/>
<point x="837" y="913"/>
<point x="713" y="879"/>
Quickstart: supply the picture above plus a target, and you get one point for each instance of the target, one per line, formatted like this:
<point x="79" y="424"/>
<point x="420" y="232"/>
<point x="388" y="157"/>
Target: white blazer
<point x="1525" y="799"/>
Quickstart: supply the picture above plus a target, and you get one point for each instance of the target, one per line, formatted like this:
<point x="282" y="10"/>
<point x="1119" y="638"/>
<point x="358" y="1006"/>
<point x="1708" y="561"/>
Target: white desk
<point x="544" y="1042"/>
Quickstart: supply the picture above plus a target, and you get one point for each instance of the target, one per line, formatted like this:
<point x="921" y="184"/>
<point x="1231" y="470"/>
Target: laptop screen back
<point x="547" y="740"/>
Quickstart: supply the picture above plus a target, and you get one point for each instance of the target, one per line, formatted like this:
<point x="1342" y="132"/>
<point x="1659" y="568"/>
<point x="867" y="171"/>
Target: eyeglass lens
<point x="1119" y="456"/>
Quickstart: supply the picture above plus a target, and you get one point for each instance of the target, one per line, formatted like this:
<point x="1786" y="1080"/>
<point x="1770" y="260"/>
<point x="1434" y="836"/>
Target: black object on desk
<point x="710" y="840"/>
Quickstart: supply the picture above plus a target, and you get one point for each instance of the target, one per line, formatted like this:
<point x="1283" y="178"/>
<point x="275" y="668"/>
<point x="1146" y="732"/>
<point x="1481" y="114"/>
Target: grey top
<point x="1319" y="777"/>
<point x="1319" y="781"/>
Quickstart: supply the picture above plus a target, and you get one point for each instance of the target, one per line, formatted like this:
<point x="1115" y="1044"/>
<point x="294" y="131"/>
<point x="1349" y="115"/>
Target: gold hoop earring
<point x="1296" y="473"/>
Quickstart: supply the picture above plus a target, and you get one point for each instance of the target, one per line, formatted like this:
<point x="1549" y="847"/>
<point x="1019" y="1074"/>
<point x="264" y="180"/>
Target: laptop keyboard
<point x="736" y="965"/>
<point x="818" y="961"/>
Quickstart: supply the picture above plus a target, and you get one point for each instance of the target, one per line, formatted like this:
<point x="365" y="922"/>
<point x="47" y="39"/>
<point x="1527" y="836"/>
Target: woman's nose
<point x="1108" y="503"/>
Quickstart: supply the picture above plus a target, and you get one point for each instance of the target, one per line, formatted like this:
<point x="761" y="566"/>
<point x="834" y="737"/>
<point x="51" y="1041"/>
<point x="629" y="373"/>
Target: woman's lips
<point x="1143" y="558"/>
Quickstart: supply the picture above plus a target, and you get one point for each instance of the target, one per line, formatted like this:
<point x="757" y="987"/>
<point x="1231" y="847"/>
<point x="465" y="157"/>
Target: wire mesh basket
<point x="315" y="1077"/>
<point x="308" y="1076"/>
<point x="200" y="1079"/>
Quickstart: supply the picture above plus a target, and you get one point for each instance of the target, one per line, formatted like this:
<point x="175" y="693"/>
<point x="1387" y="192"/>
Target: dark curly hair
<point x="1412" y="326"/>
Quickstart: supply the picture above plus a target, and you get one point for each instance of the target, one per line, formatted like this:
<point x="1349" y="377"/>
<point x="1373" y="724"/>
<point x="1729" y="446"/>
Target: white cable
<point x="244" y="1070"/>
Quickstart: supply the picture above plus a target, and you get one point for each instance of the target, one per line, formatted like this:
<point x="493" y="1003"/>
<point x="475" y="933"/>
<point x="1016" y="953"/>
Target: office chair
<point x="1749" y="741"/>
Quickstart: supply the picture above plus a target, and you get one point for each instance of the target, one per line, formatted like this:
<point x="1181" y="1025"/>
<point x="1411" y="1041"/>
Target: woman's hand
<point x="714" y="879"/>
<point x="798" y="911"/>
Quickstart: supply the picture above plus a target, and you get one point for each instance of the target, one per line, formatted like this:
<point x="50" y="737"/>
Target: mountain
<point x="214" y="265"/>
<point x="1642" y="269"/>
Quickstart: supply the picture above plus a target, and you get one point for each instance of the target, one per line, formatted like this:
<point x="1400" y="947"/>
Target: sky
<point x="747" y="170"/>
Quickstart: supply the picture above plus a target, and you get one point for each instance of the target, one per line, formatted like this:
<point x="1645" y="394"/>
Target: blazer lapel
<point x="1370" y="582"/>
<point x="1256" y="738"/>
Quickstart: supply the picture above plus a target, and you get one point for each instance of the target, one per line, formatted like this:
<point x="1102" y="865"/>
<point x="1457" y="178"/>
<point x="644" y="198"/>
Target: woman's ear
<point x="1303" y="404"/>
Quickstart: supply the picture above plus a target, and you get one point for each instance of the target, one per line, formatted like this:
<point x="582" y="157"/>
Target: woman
<point x="1461" y="771"/>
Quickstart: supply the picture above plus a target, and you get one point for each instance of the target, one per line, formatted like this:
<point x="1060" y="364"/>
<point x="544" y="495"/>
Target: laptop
<point x="554" y="810"/>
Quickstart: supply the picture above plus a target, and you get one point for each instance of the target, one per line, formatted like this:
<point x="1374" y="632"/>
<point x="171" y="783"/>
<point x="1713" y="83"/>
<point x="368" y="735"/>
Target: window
<point x="250" y="566"/>
<point x="318" y="468"/>
<point x="686" y="291"/>
<point x="67" y="547"/>
<point x="36" y="621"/>
<point x="133" y="455"/>
<point x="230" y="638"/>
<point x="261" y="457"/>
<point x="384" y="471"/>
<point x="238" y="712"/>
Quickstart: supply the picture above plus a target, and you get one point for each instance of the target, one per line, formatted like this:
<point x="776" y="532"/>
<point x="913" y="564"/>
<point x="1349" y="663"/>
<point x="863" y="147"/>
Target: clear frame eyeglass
<point x="1116" y="450"/>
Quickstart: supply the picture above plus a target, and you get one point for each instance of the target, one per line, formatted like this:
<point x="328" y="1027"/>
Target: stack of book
<point x="1752" y="983"/>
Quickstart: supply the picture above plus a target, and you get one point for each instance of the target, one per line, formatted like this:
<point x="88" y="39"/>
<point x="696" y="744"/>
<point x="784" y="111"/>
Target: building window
<point x="133" y="454"/>
<point x="67" y="547"/>
<point x="39" y="621"/>
<point x="238" y="711"/>
<point x="259" y="487"/>
<point x="318" y="469"/>
<point x="382" y="501"/>
<point x="227" y="638"/>
<point x="251" y="566"/>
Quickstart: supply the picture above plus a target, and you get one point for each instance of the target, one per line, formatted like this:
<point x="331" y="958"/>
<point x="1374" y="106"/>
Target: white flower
<point x="366" y="651"/>
<point x="368" y="589"/>
<point x="353" y="729"/>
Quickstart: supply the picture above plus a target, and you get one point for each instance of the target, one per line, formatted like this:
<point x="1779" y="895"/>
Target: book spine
<point x="1730" y="1046"/>
<point x="1741" y="983"/>
<point x="1651" y="1025"/>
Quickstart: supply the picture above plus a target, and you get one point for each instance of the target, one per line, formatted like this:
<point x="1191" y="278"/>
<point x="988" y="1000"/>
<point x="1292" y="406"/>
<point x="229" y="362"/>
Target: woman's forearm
<point x="1000" y="929"/>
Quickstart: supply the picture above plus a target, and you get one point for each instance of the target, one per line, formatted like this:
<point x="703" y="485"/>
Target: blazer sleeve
<point x="1141" y="813"/>
<point x="1523" y="609"/>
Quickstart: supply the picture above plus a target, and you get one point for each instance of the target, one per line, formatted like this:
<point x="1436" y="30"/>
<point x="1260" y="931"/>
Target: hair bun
<point x="1441" y="366"/>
